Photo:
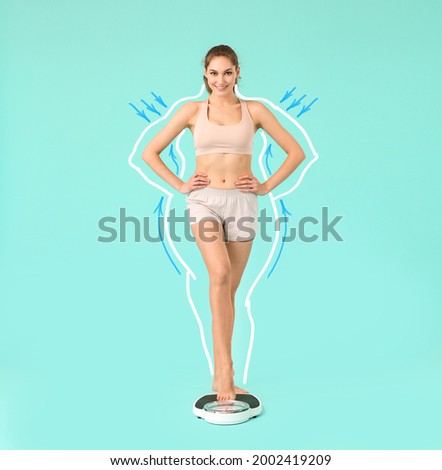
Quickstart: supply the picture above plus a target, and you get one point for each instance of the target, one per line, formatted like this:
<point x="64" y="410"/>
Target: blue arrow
<point x="159" y="208"/>
<point x="151" y="107"/>
<point x="172" y="155"/>
<point x="284" y="213"/>
<point x="306" y="108"/>
<point x="159" y="99"/>
<point x="267" y="155"/>
<point x="288" y="94"/>
<point x="296" y="102"/>
<point x="140" y="113"/>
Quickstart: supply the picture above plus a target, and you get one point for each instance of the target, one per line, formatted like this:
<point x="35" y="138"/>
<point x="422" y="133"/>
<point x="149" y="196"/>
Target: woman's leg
<point x="209" y="237"/>
<point x="239" y="253"/>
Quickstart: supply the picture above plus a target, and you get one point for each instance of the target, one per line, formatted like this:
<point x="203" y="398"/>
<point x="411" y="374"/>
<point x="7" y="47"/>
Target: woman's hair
<point x="217" y="51"/>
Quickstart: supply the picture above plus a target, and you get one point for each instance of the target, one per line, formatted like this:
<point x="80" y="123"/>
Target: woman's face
<point x="221" y="75"/>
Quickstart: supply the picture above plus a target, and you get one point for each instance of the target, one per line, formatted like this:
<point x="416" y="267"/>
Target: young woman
<point x="222" y="194"/>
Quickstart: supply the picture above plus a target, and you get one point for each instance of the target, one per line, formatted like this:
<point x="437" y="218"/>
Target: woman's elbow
<point x="145" y="157"/>
<point x="297" y="154"/>
<point x="148" y="156"/>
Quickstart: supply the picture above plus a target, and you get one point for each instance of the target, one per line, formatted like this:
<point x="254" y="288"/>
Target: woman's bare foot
<point x="215" y="384"/>
<point x="237" y="389"/>
<point x="225" y="386"/>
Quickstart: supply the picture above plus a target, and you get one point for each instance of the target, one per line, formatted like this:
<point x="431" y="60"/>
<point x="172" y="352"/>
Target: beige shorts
<point x="235" y="210"/>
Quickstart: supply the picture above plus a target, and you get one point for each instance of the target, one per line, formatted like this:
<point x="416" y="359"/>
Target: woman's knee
<point x="220" y="275"/>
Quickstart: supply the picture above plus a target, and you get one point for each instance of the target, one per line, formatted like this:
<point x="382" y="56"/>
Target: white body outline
<point x="273" y="198"/>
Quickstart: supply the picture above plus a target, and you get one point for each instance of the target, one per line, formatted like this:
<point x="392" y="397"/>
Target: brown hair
<point x="217" y="51"/>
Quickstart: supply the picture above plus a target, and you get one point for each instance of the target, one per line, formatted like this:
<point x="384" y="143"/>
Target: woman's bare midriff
<point x="223" y="169"/>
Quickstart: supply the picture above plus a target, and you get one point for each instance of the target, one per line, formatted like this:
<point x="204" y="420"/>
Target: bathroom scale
<point x="236" y="411"/>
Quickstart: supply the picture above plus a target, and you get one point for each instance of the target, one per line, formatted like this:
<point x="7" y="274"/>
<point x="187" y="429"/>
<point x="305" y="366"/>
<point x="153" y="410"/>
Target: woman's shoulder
<point x="192" y="106"/>
<point x="191" y="109"/>
<point x="254" y="104"/>
<point x="257" y="110"/>
<point x="256" y="107"/>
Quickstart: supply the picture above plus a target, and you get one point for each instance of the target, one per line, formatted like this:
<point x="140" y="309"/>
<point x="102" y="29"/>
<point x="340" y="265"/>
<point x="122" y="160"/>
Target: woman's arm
<point x="152" y="151"/>
<point x="295" y="155"/>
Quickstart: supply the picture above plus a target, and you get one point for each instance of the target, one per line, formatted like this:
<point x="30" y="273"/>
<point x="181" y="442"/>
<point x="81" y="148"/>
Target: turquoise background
<point x="99" y="348"/>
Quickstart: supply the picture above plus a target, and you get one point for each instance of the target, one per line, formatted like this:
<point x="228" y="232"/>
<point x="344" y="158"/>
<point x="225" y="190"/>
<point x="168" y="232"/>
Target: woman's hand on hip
<point x="249" y="184"/>
<point x="196" y="181"/>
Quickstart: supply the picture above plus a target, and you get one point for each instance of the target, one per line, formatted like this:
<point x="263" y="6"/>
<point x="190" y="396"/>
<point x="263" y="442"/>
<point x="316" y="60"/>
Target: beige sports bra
<point x="215" y="138"/>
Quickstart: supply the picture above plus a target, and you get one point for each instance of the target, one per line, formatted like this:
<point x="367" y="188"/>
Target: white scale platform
<point x="214" y="411"/>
